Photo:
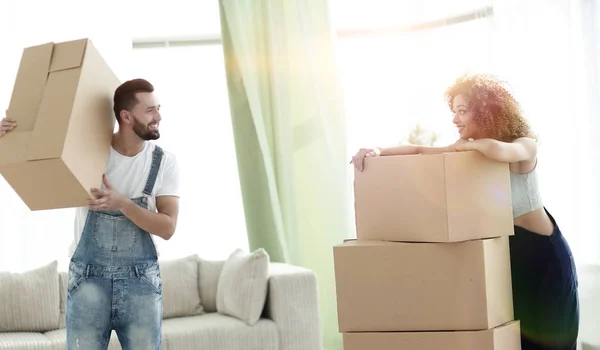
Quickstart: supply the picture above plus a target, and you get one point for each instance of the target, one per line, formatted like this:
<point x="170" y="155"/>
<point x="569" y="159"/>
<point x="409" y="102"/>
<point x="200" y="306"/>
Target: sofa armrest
<point x="293" y="304"/>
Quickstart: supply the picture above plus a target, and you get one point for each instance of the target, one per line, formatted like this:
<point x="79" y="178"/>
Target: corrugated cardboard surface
<point x="446" y="197"/>
<point x="505" y="337"/>
<point x="392" y="286"/>
<point x="62" y="102"/>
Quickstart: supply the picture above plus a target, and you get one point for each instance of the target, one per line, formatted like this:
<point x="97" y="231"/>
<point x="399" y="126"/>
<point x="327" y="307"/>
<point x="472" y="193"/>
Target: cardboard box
<point x="397" y="287"/>
<point x="505" y="337"/>
<point x="446" y="197"/>
<point x="62" y="102"/>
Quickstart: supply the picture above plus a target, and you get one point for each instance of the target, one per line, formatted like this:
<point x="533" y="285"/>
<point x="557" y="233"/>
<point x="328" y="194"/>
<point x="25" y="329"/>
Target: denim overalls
<point x="114" y="281"/>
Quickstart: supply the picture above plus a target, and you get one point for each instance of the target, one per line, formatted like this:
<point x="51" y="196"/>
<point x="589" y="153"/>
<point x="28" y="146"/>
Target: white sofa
<point x="236" y="304"/>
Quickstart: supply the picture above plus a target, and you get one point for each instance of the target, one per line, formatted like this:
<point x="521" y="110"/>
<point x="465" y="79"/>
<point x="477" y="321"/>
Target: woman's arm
<point x="359" y="158"/>
<point x="521" y="150"/>
<point x="414" y="149"/>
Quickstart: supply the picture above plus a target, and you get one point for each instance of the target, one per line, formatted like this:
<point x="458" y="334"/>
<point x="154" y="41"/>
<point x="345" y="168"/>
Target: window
<point x="191" y="87"/>
<point x="392" y="83"/>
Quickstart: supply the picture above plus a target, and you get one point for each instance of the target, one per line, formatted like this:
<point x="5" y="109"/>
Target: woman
<point x="489" y="120"/>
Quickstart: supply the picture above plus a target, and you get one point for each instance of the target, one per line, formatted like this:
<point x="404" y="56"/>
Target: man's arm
<point x="521" y="150"/>
<point x="161" y="224"/>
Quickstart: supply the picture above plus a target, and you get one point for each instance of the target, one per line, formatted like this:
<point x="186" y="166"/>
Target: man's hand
<point x="107" y="199"/>
<point x="7" y="125"/>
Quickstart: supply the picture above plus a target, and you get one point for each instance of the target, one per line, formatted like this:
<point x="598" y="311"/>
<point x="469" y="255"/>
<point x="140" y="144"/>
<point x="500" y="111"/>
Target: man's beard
<point x="144" y="132"/>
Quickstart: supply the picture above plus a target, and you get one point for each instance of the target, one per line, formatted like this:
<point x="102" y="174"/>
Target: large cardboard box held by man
<point x="397" y="287"/>
<point x="504" y="337"/>
<point x="447" y="197"/>
<point x="62" y="102"/>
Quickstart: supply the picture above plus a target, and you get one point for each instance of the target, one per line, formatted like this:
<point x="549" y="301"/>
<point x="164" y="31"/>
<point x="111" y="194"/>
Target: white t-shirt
<point x="128" y="176"/>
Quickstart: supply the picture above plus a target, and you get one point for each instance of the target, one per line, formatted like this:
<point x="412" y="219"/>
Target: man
<point x="114" y="278"/>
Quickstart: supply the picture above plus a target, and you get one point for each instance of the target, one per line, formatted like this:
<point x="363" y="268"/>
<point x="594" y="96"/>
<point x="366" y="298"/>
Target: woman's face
<point x="464" y="118"/>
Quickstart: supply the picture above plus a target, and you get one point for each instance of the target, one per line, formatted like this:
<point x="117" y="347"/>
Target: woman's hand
<point x="464" y="145"/>
<point x="359" y="158"/>
<point x="7" y="125"/>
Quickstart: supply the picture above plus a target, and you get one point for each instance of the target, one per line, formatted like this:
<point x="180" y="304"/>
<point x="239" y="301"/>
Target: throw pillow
<point x="30" y="301"/>
<point x="63" y="280"/>
<point x="181" y="296"/>
<point x="242" y="288"/>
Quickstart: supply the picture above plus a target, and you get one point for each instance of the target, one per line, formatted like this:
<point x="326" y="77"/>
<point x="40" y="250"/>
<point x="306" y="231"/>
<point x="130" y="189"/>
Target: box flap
<point x="56" y="107"/>
<point x="25" y="102"/>
<point x="68" y="55"/>
<point x="29" y="86"/>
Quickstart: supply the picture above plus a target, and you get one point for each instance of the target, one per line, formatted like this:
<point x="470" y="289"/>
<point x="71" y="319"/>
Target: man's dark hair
<point x="125" y="95"/>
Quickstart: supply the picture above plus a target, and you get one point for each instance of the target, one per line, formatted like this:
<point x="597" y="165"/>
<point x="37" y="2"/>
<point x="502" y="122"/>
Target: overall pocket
<point x="153" y="280"/>
<point x="115" y="233"/>
<point x="75" y="280"/>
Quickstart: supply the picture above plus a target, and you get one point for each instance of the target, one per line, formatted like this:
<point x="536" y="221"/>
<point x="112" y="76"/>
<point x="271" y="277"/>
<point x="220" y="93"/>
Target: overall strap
<point x="156" y="160"/>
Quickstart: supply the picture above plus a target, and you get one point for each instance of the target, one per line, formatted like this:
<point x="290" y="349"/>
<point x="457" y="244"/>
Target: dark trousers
<point x="545" y="295"/>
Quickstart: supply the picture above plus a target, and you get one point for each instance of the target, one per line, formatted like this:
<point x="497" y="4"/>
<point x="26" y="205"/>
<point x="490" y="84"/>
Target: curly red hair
<point x="497" y="112"/>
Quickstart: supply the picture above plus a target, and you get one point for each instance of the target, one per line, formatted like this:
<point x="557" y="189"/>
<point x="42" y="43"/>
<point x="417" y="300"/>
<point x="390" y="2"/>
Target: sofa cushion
<point x="58" y="338"/>
<point x="30" y="301"/>
<point x="242" y="288"/>
<point x="20" y="341"/>
<point x="181" y="296"/>
<point x="209" y="273"/>
<point x="216" y="331"/>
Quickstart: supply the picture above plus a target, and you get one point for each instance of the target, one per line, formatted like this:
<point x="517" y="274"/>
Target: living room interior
<point x="294" y="89"/>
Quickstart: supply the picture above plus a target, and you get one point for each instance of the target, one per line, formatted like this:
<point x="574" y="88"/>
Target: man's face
<point x="146" y="117"/>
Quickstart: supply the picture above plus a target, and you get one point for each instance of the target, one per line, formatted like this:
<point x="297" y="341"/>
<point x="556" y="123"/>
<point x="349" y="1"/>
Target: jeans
<point x="128" y="300"/>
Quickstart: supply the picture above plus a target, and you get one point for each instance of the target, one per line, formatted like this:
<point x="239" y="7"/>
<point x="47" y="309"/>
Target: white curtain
<point x="548" y="52"/>
<point x="31" y="239"/>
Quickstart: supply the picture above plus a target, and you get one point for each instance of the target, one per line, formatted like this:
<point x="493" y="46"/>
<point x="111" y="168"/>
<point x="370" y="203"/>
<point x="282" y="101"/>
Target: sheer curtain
<point x="288" y="121"/>
<point x="546" y="52"/>
<point x="549" y="51"/>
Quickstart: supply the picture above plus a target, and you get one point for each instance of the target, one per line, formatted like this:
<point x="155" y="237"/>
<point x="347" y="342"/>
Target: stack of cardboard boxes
<point x="430" y="268"/>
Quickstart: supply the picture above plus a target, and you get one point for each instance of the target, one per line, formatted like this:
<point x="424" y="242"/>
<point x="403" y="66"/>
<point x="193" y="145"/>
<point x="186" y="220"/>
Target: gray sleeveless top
<point x="525" y="193"/>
